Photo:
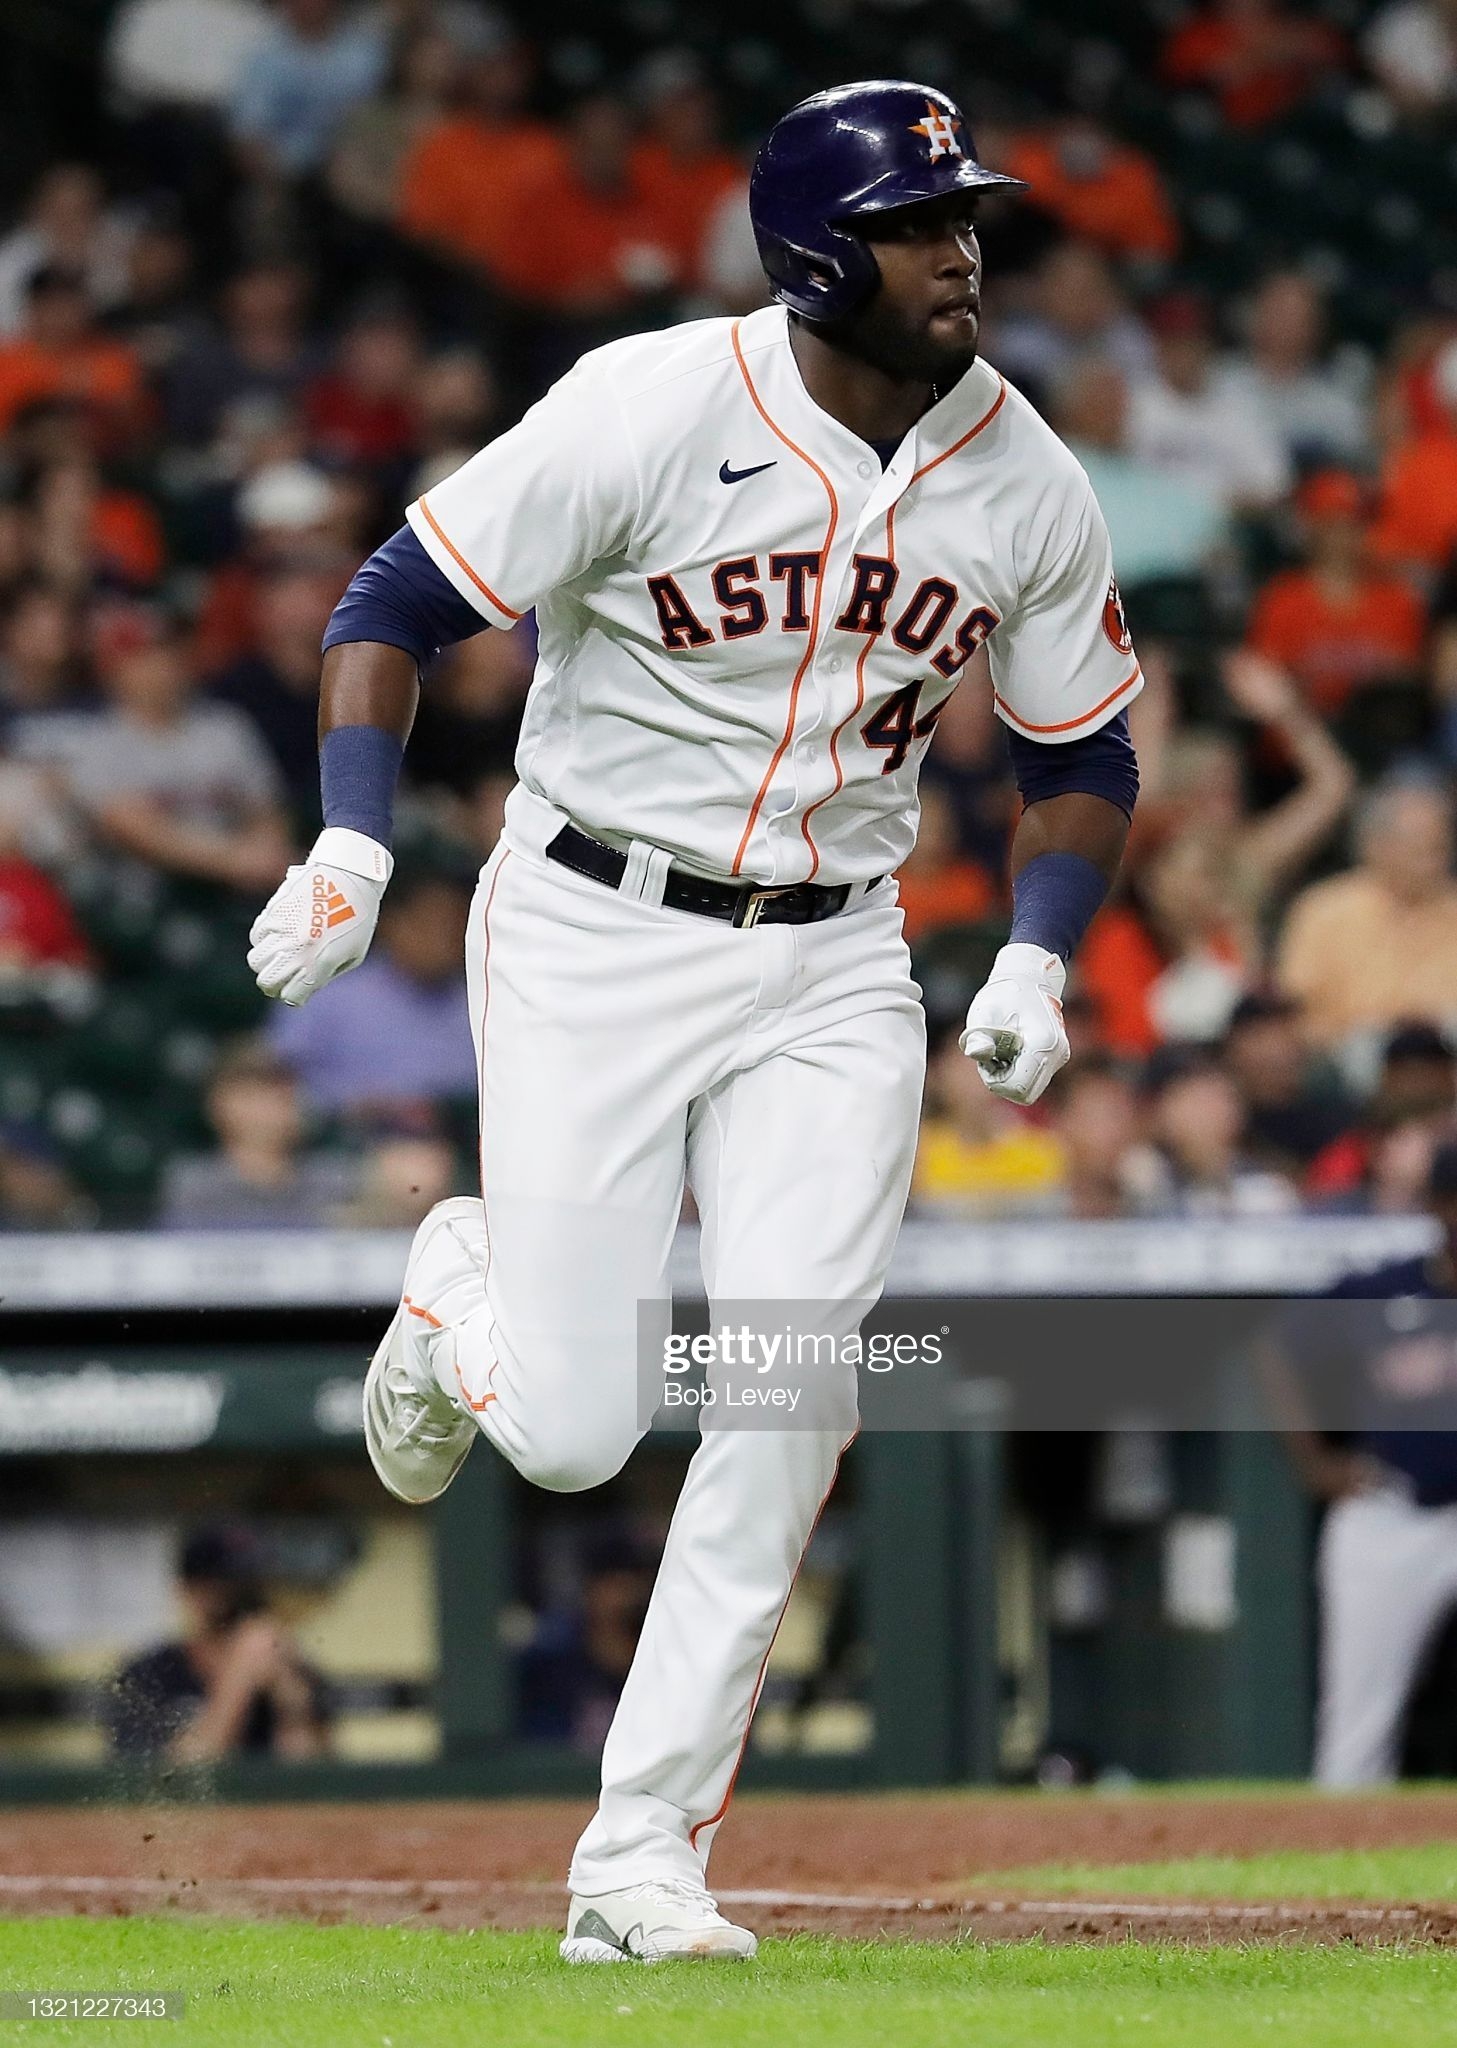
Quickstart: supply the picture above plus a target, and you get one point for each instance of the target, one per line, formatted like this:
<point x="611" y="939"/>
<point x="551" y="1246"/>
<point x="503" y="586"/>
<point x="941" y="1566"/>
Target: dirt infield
<point x="921" y="1866"/>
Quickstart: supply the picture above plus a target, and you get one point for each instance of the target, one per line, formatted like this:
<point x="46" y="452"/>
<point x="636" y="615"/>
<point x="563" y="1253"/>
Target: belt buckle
<point x="752" y="907"/>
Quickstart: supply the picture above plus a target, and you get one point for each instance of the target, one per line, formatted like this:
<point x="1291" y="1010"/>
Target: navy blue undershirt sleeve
<point x="1102" y="763"/>
<point x="401" y="599"/>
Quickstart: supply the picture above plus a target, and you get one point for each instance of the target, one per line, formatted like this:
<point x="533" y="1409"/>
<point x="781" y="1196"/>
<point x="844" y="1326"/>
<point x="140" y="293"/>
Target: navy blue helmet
<point x="838" y="156"/>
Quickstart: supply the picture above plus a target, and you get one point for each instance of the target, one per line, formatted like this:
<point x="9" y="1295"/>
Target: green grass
<point x="1427" y="1873"/>
<point x="354" y="1987"/>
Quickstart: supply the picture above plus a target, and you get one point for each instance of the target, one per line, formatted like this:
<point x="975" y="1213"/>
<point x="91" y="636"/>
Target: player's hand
<point x="320" y="919"/>
<point x="1014" y="1028"/>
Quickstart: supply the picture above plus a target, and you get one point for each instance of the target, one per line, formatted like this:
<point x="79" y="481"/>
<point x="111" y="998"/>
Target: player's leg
<point x="1386" y="1573"/>
<point x="801" y="1163"/>
<point x="588" y="1057"/>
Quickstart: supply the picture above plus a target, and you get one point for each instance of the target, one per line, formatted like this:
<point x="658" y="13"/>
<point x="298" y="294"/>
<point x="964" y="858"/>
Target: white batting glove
<point x="1014" y="1025"/>
<point x="321" y="917"/>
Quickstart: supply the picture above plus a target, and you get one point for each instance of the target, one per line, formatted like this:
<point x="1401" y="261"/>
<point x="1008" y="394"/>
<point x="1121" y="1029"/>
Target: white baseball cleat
<point x="653" y="1923"/>
<point x="417" y="1435"/>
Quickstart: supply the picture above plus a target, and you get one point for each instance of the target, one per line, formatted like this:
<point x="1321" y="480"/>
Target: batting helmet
<point x="838" y="156"/>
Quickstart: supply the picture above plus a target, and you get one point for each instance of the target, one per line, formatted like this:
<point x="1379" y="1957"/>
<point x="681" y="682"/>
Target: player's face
<point x="925" y="319"/>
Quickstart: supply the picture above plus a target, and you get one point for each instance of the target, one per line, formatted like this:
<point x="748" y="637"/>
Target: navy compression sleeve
<point x="401" y="599"/>
<point x="1102" y="763"/>
<point x="1057" y="895"/>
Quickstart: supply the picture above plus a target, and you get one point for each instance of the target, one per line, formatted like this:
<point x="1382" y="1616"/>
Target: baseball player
<point x="761" y="553"/>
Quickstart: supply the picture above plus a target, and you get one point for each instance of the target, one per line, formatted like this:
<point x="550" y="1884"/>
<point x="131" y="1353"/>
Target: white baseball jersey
<point x="748" y="628"/>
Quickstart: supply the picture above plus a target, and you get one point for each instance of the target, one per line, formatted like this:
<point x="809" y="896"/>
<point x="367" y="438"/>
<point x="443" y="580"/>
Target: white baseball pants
<point x="1387" y="1573"/>
<point x="621" y="1047"/>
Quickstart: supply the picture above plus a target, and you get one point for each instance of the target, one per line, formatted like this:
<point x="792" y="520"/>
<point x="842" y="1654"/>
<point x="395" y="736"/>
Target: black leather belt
<point x="741" y="905"/>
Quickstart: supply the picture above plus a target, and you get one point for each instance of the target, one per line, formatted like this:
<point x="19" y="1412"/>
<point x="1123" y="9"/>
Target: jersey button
<point x="863" y="469"/>
<point x="835" y="665"/>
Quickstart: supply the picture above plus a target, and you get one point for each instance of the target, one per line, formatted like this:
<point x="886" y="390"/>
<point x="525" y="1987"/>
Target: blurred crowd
<point x="317" y="252"/>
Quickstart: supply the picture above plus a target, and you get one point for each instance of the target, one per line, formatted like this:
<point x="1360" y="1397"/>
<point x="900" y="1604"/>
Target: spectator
<point x="289" y="515"/>
<point x="298" y="85"/>
<point x="1412" y="48"/>
<point x="1104" y="1162"/>
<point x="456" y="402"/>
<point x="1365" y="949"/>
<point x="1198" y="1125"/>
<point x="396" y="1033"/>
<point x="572" y="1671"/>
<point x="977" y="1154"/>
<point x="1315" y="405"/>
<point x="1077" y="313"/>
<point x="458" y="184"/>
<point x="1415" y="1095"/>
<point x="402" y="1177"/>
<point x="1293" y="1110"/>
<point x="1259" y="61"/>
<point x="261" y="352"/>
<point x="88" y="535"/>
<point x="157" y="315"/>
<point x="938" y="884"/>
<point x="377" y="140"/>
<point x="587" y="240"/>
<point x="68" y="228"/>
<point x="182" y="54"/>
<point x="1339" y="625"/>
<point x="277" y="686"/>
<point x="58" y="353"/>
<point x="1183" y="424"/>
<point x="1417" y="526"/>
<point x="233" y="1684"/>
<point x="1199" y="950"/>
<point x="41" y="667"/>
<point x="262" y="1176"/>
<point x="36" y="1192"/>
<point x="361" y="412"/>
<point x="180" y="785"/>
<point x="1374" y="1353"/>
<point x="1104" y="190"/>
<point x="38" y="929"/>
<point x="681" y="165"/>
<point x="1160" y="525"/>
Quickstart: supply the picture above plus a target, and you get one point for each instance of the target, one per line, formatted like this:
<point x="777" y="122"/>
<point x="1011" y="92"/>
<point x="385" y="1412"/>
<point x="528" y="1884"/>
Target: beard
<point x="878" y="335"/>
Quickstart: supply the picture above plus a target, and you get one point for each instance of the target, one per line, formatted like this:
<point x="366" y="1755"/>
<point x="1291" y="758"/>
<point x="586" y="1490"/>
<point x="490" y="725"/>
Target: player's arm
<point x="1078" y="803"/>
<point x="397" y="614"/>
<point x="1063" y="676"/>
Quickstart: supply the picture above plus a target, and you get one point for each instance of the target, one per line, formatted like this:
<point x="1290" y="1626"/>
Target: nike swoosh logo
<point x="736" y="476"/>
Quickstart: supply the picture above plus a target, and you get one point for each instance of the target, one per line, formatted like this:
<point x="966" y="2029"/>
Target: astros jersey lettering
<point x="747" y="628"/>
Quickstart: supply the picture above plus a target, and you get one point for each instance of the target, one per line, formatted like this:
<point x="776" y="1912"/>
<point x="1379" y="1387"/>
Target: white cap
<point x="291" y="495"/>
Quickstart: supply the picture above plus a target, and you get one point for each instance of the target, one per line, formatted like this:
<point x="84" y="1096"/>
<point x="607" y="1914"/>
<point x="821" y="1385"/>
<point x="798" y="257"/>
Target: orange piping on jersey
<point x="424" y="1313"/>
<point x="985" y="421"/>
<point x="487" y="1398"/>
<point x="1069" y="724"/>
<point x="714" y="1818"/>
<point x="851" y="713"/>
<point x="814" y="623"/>
<point x="460" y="561"/>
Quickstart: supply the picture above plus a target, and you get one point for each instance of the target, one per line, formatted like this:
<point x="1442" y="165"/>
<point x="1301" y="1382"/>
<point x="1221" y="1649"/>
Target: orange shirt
<point x="1119" y="965"/>
<point x="127" y="537"/>
<point x="1418" y="517"/>
<point x="685" y="194"/>
<point x="1268" y="82"/>
<point x="102" y="374"/>
<point x="1333" y="646"/>
<point x="576" y="250"/>
<point x="959" y="893"/>
<point x="1123" y="208"/>
<point x="458" y="184"/>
